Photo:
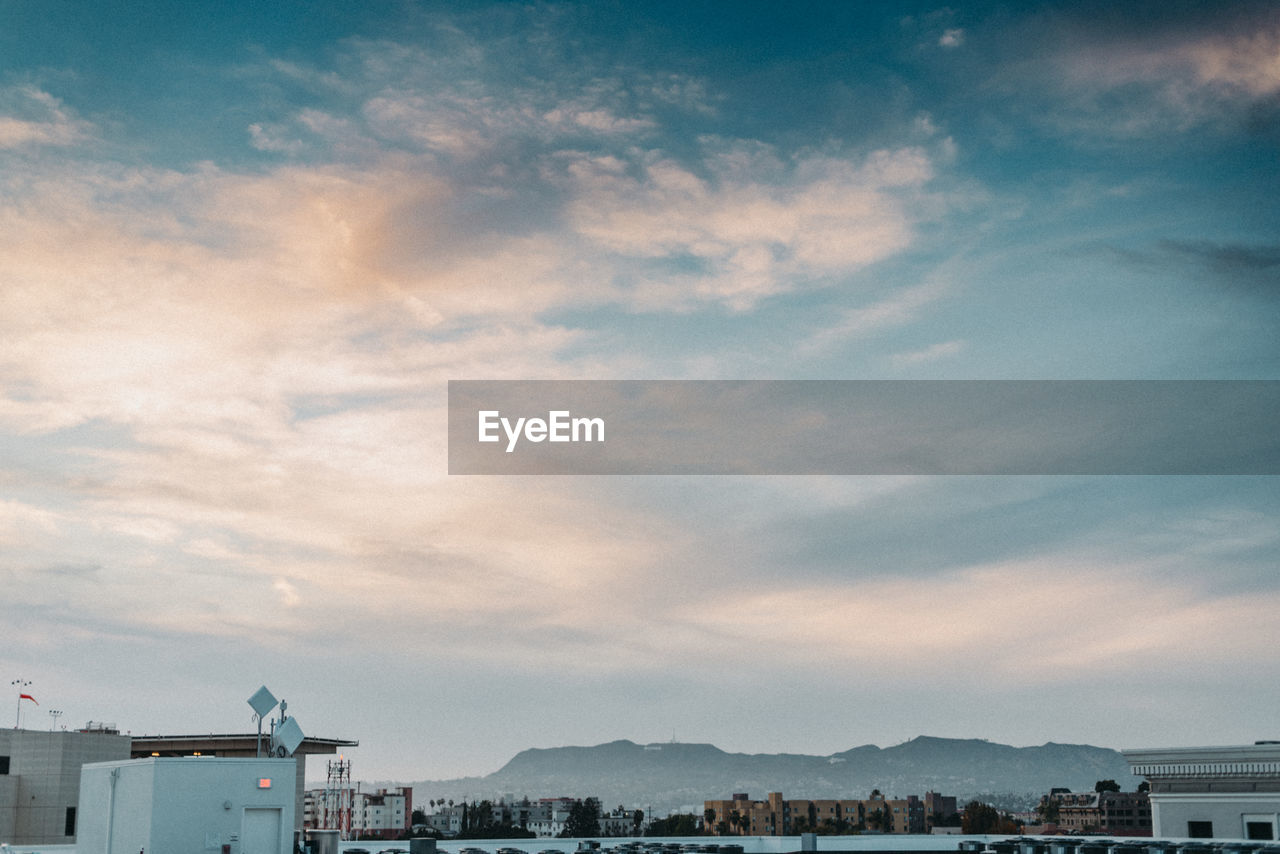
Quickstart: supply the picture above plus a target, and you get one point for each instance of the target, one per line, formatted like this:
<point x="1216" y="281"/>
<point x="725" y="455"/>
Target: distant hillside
<point x="667" y="776"/>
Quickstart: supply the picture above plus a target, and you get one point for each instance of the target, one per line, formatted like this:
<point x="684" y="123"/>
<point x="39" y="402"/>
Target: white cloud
<point x="951" y="38"/>
<point x="1176" y="80"/>
<point x="32" y="117"/>
<point x="932" y="353"/>
<point x="895" y="310"/>
<point x="288" y="593"/>
<point x="948" y="619"/>
<point x="265" y="139"/>
<point x="20" y="523"/>
<point x="747" y="237"/>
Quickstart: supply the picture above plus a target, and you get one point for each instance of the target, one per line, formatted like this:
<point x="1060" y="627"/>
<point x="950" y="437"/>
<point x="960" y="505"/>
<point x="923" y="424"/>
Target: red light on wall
<point x="264" y="782"/>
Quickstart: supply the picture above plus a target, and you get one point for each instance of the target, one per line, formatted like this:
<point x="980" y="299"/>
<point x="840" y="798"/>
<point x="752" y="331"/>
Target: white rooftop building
<point x="174" y="804"/>
<point x="1213" y="792"/>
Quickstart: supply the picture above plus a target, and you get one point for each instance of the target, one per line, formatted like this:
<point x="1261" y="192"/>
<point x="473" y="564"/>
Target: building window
<point x="4" y="764"/>
<point x="1258" y="830"/>
<point x="69" y="826"/>
<point x="1200" y="829"/>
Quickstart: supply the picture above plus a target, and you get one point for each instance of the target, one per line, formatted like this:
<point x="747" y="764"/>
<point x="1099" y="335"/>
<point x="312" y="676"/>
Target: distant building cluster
<point x="545" y="818"/>
<point x="776" y="816"/>
<point x="1112" y="813"/>
<point x="1199" y="792"/>
<point x="380" y="814"/>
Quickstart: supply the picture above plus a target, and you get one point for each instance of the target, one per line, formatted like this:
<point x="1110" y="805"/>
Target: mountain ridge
<point x="671" y="775"/>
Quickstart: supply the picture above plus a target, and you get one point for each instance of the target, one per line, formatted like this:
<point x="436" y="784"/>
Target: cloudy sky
<point x="243" y="248"/>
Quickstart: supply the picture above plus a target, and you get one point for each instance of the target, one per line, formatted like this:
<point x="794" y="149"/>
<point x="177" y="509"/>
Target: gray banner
<point x="864" y="427"/>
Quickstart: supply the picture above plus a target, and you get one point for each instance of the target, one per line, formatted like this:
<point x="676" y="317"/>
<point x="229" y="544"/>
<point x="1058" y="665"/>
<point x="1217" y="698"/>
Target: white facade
<point x="174" y="804"/>
<point x="383" y="811"/>
<point x="547" y="817"/>
<point x="447" y="820"/>
<point x="618" y="822"/>
<point x="1213" y="792"/>
<point x="386" y="812"/>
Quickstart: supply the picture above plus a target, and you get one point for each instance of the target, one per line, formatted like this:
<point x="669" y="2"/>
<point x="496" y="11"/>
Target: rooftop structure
<point x="40" y="780"/>
<point x="241" y="745"/>
<point x="1213" y="792"/>
<point x="168" y="804"/>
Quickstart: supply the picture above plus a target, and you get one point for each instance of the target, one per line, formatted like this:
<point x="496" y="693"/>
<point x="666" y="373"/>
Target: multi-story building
<point x="446" y="820"/>
<point x="1114" y="813"/>
<point x="548" y="817"/>
<point x="938" y="808"/>
<point x="619" y="821"/>
<point x="1213" y="792"/>
<point x="383" y="813"/>
<point x="40" y="780"/>
<point x="776" y="816"/>
<point x="907" y="815"/>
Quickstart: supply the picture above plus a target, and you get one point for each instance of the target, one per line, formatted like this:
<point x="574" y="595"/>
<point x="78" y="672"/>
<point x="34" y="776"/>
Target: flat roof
<point x="1225" y="753"/>
<point x="225" y="743"/>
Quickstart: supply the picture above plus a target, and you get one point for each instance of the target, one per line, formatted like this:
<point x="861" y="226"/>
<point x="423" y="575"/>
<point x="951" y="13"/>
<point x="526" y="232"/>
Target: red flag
<point x="22" y="697"/>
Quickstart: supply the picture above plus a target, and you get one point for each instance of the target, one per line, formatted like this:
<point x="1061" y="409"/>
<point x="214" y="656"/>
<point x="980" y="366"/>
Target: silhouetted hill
<point x="667" y="776"/>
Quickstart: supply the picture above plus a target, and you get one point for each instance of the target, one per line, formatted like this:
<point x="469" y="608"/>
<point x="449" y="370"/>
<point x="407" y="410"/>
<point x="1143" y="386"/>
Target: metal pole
<point x="111" y="809"/>
<point x="20" y="683"/>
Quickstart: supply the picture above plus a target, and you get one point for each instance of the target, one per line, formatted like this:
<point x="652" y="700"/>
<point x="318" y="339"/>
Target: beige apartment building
<point x="776" y="816"/>
<point x="1114" y="813"/>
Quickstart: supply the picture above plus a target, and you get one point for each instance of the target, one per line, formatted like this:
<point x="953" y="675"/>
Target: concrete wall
<point x="1227" y="811"/>
<point x="115" y="808"/>
<point x="44" y="780"/>
<point x="185" y="804"/>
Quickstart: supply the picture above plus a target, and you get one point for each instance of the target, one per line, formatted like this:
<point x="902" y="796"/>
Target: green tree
<point x="979" y="818"/>
<point x="680" y="824"/>
<point x="1144" y="786"/>
<point x="1048" y="809"/>
<point x="1106" y="786"/>
<point x="584" y="820"/>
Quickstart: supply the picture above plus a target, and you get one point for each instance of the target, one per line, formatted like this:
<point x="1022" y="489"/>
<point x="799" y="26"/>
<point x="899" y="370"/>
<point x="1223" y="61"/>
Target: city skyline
<point x="244" y="250"/>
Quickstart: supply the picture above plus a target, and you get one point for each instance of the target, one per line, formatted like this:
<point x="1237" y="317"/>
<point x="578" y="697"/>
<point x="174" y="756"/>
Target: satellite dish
<point x="262" y="701"/>
<point x="286" y="738"/>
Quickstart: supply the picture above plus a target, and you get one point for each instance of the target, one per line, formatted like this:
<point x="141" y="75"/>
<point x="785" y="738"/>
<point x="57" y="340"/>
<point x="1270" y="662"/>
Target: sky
<point x="245" y="246"/>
